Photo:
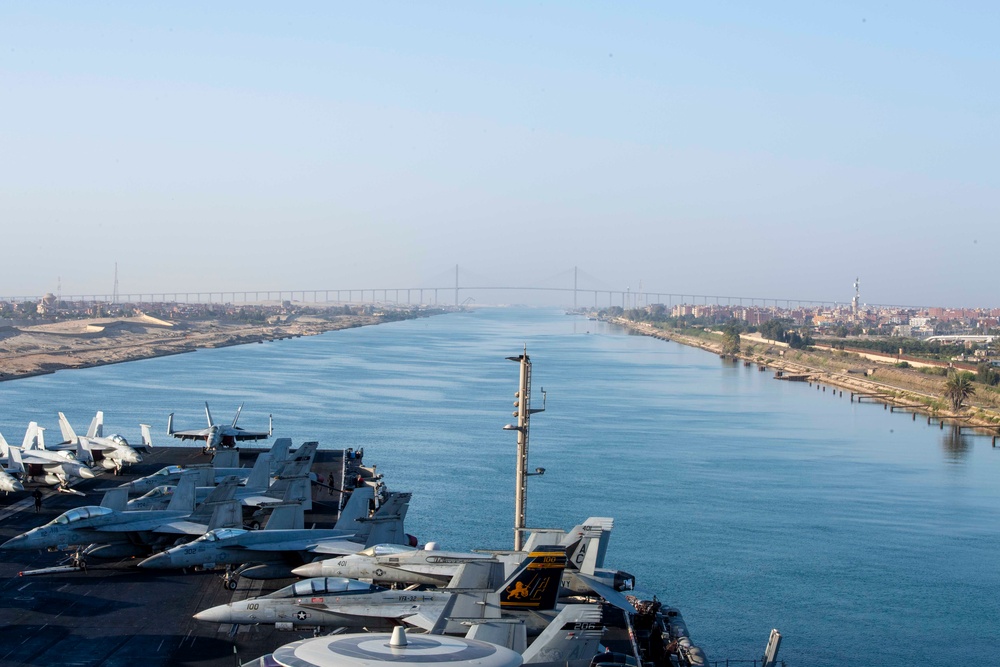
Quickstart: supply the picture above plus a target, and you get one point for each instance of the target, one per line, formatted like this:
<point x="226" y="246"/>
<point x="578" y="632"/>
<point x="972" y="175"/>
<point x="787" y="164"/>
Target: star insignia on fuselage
<point x="302" y="615"/>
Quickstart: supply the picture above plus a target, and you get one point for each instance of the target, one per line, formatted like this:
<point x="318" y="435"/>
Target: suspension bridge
<point x="571" y="288"/>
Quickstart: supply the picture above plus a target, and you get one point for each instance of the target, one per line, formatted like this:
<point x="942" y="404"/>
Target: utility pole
<point x="114" y="292"/>
<point x="456" y="284"/>
<point x="523" y="412"/>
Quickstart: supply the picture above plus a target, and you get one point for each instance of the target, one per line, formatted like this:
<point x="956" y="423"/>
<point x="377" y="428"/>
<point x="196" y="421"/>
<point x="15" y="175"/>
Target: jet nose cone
<point x="13" y="543"/>
<point x="220" y="614"/>
<point x="156" y="562"/>
<point x="309" y="570"/>
<point x="17" y="486"/>
<point x="86" y="473"/>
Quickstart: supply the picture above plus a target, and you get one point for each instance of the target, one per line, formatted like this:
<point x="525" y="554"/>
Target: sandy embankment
<point x="900" y="387"/>
<point x="45" y="348"/>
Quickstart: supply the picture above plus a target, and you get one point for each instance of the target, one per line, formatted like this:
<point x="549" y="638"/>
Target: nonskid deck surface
<point x="113" y="614"/>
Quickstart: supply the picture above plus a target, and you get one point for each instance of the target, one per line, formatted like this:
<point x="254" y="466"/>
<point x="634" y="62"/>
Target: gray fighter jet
<point x="351" y="604"/>
<point x="119" y="533"/>
<point x="586" y="544"/>
<point x="111" y="453"/>
<point x="219" y="435"/>
<point x="211" y="473"/>
<point x="257" y="489"/>
<point x="8" y="482"/>
<point x="55" y="468"/>
<point x="394" y="563"/>
<point x="284" y="543"/>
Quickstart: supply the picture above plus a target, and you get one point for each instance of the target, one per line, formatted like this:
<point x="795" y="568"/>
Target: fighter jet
<point x="219" y="435"/>
<point x="351" y="604"/>
<point x="210" y="473"/>
<point x="586" y="544"/>
<point x="9" y="483"/>
<point x="258" y="489"/>
<point x="284" y="543"/>
<point x="120" y="533"/>
<point x="56" y="468"/>
<point x="111" y="453"/>
<point x="392" y="563"/>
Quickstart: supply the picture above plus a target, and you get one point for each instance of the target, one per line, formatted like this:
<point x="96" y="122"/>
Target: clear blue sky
<point x="765" y="149"/>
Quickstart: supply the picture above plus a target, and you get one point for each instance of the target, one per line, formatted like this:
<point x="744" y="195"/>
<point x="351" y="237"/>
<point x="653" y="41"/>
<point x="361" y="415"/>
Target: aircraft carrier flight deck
<point x="113" y="614"/>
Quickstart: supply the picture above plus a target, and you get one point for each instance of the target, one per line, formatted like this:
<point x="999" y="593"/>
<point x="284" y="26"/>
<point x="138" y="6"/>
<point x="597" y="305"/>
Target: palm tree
<point x="957" y="389"/>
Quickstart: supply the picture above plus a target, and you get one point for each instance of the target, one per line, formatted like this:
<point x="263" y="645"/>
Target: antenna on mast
<point x="522" y="401"/>
<point x="114" y="293"/>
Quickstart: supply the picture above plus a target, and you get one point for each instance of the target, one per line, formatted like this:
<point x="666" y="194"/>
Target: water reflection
<point x="955" y="444"/>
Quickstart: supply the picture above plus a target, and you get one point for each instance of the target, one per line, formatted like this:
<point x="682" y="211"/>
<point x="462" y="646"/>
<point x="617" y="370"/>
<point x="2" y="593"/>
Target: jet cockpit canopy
<point x="220" y="534"/>
<point x="81" y="513"/>
<point x="324" y="586"/>
<point x="385" y="550"/>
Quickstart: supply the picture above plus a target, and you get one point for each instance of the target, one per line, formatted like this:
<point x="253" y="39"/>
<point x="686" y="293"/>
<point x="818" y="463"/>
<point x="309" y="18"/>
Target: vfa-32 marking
<point x="538" y="584"/>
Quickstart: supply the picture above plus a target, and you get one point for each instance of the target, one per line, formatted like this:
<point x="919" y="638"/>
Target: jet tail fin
<point x="535" y="583"/>
<point x="279" y="453"/>
<point x="300" y="462"/>
<point x="227" y="514"/>
<point x="286" y="516"/>
<point x="587" y="553"/>
<point x="4" y="448"/>
<point x="502" y="633"/>
<point x="68" y="434"/>
<point x="208" y="415"/>
<point x="170" y="424"/>
<point x="260" y="474"/>
<point x="226" y="458"/>
<point x="222" y="493"/>
<point x="96" y="429"/>
<point x="116" y="498"/>
<point x="14" y="464"/>
<point x="298" y="490"/>
<point x="386" y="525"/>
<point x="84" y="452"/>
<point x="576" y="631"/>
<point x="473" y="601"/>
<point x="237" y="417"/>
<point x="477" y="574"/>
<point x="184" y="495"/>
<point x="30" y="437"/>
<point x="147" y="437"/>
<point x="352" y="517"/>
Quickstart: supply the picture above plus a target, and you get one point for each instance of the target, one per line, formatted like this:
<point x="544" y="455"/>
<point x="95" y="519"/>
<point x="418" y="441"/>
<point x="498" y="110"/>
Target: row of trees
<point x="783" y="330"/>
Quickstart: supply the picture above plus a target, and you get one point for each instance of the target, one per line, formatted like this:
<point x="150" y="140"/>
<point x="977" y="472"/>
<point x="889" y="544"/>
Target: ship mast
<point x="523" y="412"/>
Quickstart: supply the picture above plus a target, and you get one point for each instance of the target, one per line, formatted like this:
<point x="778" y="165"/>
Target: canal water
<point x="864" y="536"/>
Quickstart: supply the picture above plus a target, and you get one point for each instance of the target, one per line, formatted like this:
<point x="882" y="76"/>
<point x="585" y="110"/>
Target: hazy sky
<point x="752" y="148"/>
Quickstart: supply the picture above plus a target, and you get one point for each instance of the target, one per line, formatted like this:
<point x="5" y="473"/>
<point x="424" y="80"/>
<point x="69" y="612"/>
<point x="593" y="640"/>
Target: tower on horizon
<point x="857" y="298"/>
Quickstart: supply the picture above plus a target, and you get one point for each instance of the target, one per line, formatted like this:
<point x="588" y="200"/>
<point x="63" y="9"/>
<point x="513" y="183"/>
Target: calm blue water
<point x="867" y="538"/>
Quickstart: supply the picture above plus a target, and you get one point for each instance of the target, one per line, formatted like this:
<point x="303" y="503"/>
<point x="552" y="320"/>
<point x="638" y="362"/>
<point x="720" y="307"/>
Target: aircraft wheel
<point x="255" y="525"/>
<point x="231" y="585"/>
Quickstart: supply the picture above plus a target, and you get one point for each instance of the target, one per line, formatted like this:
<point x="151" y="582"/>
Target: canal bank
<point x="863" y="378"/>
